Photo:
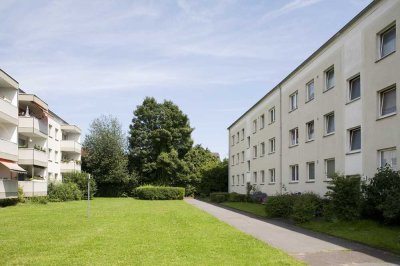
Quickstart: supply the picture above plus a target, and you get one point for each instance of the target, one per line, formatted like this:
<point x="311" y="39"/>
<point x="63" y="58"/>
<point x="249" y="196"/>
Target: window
<point x="233" y="160"/>
<point x="310" y="130"/>
<point x="354" y="88"/>
<point x="242" y="133"/>
<point x="49" y="175"/>
<point x="237" y="184"/>
<point x="50" y="131"/>
<point x="329" y="168"/>
<point x="255" y="177"/>
<point x="242" y="156"/>
<point x="294" y="172"/>
<point x="329" y="78"/>
<point x="233" y="140"/>
<point x="262" y="174"/>
<point x="56" y="134"/>
<point x="262" y="149"/>
<point x="272" y="175"/>
<point x="50" y="151"/>
<point x="272" y="115"/>
<point x="262" y="121"/>
<point x="255" y="126"/>
<point x="272" y="145"/>
<point x="329" y="123"/>
<point x="56" y="156"/>
<point x="388" y="102"/>
<point x="388" y="41"/>
<point x="294" y="136"/>
<point x="355" y="139"/>
<point x="293" y="101"/>
<point x="233" y="180"/>
<point x="311" y="171"/>
<point x="255" y="151"/>
<point x="237" y="136"/>
<point x="248" y="166"/>
<point x="248" y="142"/>
<point x="310" y="90"/>
<point x="388" y="157"/>
<point x="55" y="176"/>
<point x="238" y="158"/>
<point x="242" y="179"/>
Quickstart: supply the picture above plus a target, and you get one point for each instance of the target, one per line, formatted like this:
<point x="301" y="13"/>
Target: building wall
<point x="353" y="53"/>
<point x="54" y="139"/>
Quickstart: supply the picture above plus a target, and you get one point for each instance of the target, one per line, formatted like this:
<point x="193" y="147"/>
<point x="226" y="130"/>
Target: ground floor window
<point x="330" y="167"/>
<point x="387" y="157"/>
<point x="294" y="171"/>
<point x="311" y="171"/>
<point x="272" y="175"/>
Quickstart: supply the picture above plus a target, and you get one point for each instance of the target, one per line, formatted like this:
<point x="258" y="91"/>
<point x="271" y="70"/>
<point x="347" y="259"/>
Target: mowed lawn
<point x="125" y="231"/>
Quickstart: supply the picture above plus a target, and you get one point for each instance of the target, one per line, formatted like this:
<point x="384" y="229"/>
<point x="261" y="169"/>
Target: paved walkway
<point x="310" y="247"/>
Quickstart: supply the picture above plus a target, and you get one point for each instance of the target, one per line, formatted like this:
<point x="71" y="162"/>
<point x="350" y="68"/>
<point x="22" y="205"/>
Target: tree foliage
<point x="105" y="157"/>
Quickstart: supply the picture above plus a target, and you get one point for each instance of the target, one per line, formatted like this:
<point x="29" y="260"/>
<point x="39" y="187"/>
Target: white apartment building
<point x="336" y="112"/>
<point x="37" y="146"/>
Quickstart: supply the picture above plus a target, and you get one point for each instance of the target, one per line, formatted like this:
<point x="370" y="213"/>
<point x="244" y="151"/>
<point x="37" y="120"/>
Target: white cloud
<point x="291" y="6"/>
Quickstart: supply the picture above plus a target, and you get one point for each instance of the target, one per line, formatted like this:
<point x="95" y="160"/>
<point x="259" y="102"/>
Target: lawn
<point x="254" y="208"/>
<point x="126" y="232"/>
<point x="363" y="231"/>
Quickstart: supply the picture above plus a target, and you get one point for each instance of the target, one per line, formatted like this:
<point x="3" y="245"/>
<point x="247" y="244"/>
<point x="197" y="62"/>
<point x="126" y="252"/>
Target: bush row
<point x="63" y="192"/>
<point x="159" y="193"/>
<point x="219" y="197"/>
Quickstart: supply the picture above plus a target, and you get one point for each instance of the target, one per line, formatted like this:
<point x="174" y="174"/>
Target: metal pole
<point x="88" y="197"/>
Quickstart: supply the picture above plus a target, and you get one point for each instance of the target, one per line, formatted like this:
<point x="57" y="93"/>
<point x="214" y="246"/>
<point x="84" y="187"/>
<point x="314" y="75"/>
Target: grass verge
<point x="253" y="208"/>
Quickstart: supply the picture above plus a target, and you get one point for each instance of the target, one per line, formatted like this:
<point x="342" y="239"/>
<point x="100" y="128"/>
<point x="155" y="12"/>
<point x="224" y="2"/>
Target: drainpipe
<point x="280" y="140"/>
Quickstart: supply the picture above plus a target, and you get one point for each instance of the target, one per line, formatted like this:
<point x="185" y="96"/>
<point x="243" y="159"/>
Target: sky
<point x="214" y="59"/>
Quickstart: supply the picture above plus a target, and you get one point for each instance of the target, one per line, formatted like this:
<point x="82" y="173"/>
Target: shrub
<point x="39" y="200"/>
<point x="306" y="207"/>
<point x="219" y="197"/>
<point x="280" y="206"/>
<point x="81" y="179"/>
<point x="236" y="197"/>
<point x="345" y="196"/>
<point x="8" y="202"/>
<point x="382" y="196"/>
<point x="63" y="192"/>
<point x="21" y="195"/>
<point x="160" y="193"/>
<point x="258" y="197"/>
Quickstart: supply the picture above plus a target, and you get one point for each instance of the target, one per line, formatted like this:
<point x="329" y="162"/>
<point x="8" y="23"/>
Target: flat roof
<point x="312" y="56"/>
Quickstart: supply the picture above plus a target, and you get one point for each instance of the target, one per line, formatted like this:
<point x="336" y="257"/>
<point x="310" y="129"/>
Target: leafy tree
<point x="105" y="157"/>
<point x="81" y="179"/>
<point x="160" y="137"/>
<point x="213" y="177"/>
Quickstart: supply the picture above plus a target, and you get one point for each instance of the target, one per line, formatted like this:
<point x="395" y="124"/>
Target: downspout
<point x="280" y="140"/>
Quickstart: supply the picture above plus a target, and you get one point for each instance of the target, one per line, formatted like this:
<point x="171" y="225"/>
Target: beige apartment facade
<point x="335" y="113"/>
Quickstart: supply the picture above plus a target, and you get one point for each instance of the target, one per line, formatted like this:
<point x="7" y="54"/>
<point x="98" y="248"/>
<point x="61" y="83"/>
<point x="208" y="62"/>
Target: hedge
<point x="160" y="193"/>
<point x="219" y="197"/>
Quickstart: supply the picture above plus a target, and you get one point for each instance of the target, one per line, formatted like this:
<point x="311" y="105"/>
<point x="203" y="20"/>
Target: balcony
<point x="33" y="127"/>
<point x="70" y="146"/>
<point x="29" y="156"/>
<point x="8" y="112"/>
<point x="8" y="188"/>
<point x="70" y="166"/>
<point x="34" y="188"/>
<point x="71" y="129"/>
<point x="9" y="150"/>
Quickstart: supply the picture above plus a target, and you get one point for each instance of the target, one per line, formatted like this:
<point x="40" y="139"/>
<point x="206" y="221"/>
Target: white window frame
<point x="308" y="124"/>
<point x="326" y="123"/>
<point x="262" y="121"/>
<point x="238" y="137"/>
<point x="350" y="138"/>
<point x="238" y="158"/>
<point x="272" y="146"/>
<point x="255" y="177"/>
<point x="380" y="39"/>
<point x="380" y="155"/>
<point x="272" y="178"/>
<point x="248" y="142"/>
<point x="293" y="101"/>
<point x="255" y="151"/>
<point x="242" y="134"/>
<point x="242" y="156"/>
<point x="296" y="173"/>
<point x="381" y="98"/>
<point x="262" y="175"/>
<point x="308" y="171"/>
<point x="254" y="126"/>
<point x="271" y="113"/>
<point x="262" y="146"/>
<point x="326" y="167"/>
<point x="294" y="132"/>
<point x="350" y="84"/>
<point x="248" y="166"/>
<point x="238" y="180"/>
<point x="242" y="179"/>
<point x="233" y="140"/>
<point x="233" y="180"/>
<point x="326" y="75"/>
<point x="308" y="96"/>
<point x="233" y="160"/>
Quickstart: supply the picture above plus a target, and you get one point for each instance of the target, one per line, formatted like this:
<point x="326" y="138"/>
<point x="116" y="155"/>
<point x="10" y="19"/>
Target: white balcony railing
<point x="33" y="125"/>
<point x="34" y="188"/>
<point x="70" y="146"/>
<point x="29" y="156"/>
<point x="70" y="167"/>
<point x="8" y="112"/>
<point x="8" y="150"/>
<point x="8" y="188"/>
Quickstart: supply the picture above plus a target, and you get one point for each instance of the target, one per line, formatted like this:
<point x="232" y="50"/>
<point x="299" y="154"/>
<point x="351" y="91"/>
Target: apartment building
<point x="36" y="145"/>
<point x="335" y="113"/>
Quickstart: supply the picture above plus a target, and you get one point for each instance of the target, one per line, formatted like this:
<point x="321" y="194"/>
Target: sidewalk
<point x="312" y="248"/>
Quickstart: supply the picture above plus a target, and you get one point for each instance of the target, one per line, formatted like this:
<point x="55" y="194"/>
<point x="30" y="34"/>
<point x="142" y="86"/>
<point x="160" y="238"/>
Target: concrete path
<point x="310" y="247"/>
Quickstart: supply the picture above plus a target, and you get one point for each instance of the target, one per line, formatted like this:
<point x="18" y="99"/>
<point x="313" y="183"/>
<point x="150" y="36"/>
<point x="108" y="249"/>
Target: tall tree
<point x="160" y="137"/>
<point x="105" y="156"/>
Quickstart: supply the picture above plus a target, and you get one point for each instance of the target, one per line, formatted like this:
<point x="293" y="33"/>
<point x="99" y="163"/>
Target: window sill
<point x="294" y="145"/>
<point x="386" y="116"/>
<point x="293" y="182"/>
<point x="293" y="110"/>
<point x="270" y="153"/>
<point x="310" y="181"/>
<point x="262" y="155"/>
<point x="328" y="89"/>
<point x="270" y="123"/>
<point x="271" y="183"/>
<point x="310" y="140"/>
<point x="261" y="184"/>
<point x="383" y="57"/>
<point x="353" y="152"/>
<point x="352" y="101"/>
<point x="309" y="100"/>
<point x="50" y="137"/>
<point x="330" y="134"/>
<point x="327" y="180"/>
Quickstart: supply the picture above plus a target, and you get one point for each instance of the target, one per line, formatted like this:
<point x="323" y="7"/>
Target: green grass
<point x="363" y="231"/>
<point x="254" y="208"/>
<point x="126" y="232"/>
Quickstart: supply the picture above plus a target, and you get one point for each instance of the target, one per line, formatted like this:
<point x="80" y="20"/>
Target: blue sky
<point x="214" y="59"/>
